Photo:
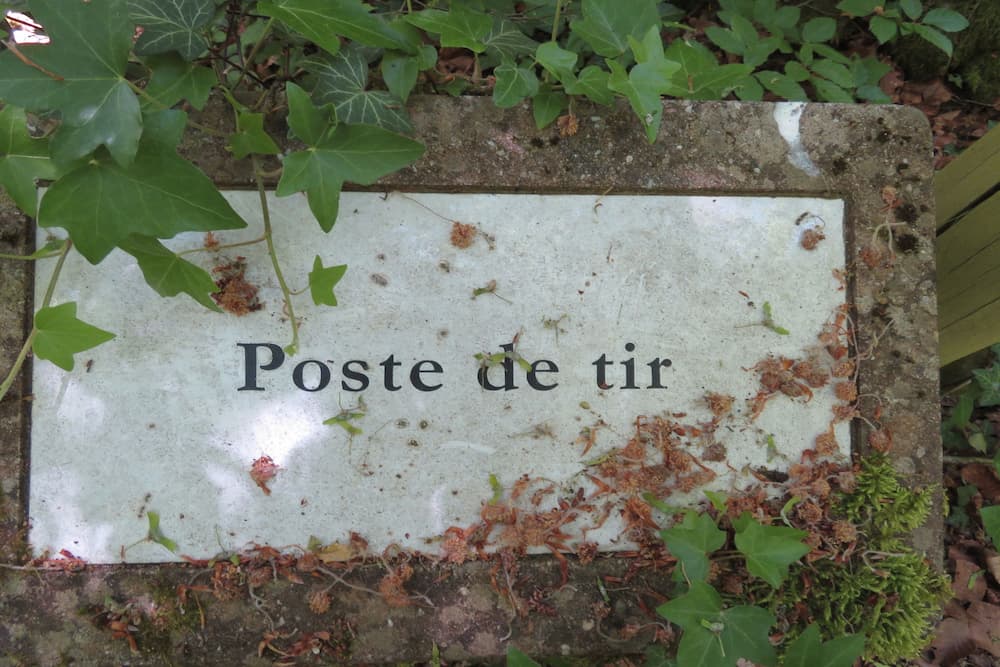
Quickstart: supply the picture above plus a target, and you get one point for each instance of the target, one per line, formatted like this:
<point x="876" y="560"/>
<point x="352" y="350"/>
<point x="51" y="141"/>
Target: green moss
<point x="884" y="590"/>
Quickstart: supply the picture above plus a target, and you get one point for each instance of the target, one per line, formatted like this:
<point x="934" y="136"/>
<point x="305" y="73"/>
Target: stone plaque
<point x="536" y="350"/>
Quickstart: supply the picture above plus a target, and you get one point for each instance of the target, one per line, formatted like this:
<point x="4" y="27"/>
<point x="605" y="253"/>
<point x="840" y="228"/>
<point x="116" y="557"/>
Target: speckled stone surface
<point x="866" y="156"/>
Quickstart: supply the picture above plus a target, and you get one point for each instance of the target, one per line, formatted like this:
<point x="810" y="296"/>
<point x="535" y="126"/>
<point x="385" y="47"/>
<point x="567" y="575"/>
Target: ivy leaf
<point x="725" y="39"/>
<point x="646" y="81"/>
<point x="322" y="280"/>
<point x="399" y="70"/>
<point x="70" y="143"/>
<point x="769" y="550"/>
<point x="250" y="137"/>
<point x="691" y="541"/>
<point x="23" y="160"/>
<point x="59" y="335"/>
<point x="809" y="650"/>
<point x="884" y="29"/>
<point x="557" y="60"/>
<point x="161" y="194"/>
<point x="991" y="523"/>
<point x="989" y="381"/>
<point x="513" y="84"/>
<point x="507" y="42"/>
<point x="156" y="535"/>
<point x="592" y="83"/>
<point x="945" y="19"/>
<point x="89" y="50"/>
<point x="308" y="122"/>
<point x="174" y="79"/>
<point x="321" y="21"/>
<point x="546" y="106"/>
<point x="516" y="658"/>
<point x="356" y="153"/>
<point x="341" y="80"/>
<point x="171" y="26"/>
<point x="168" y="273"/>
<point x="715" y="637"/>
<point x="607" y="24"/>
<point x="746" y="635"/>
<point x="461" y="27"/>
<point x="701" y="602"/>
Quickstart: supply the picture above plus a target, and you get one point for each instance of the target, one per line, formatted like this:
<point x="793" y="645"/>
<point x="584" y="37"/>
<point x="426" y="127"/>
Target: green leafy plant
<point x="983" y="391"/>
<point x="99" y="115"/>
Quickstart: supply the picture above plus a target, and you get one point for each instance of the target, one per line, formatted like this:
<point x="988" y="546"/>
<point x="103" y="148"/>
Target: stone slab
<point x="183" y="400"/>
<point x="856" y="153"/>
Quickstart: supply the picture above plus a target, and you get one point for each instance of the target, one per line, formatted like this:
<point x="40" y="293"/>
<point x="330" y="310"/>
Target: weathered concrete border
<point x="876" y="158"/>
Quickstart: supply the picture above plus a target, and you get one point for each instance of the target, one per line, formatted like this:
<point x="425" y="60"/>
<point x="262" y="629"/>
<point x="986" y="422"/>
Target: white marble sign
<point x="620" y="306"/>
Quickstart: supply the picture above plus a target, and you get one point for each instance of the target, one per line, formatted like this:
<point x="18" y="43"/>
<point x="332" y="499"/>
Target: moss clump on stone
<point x="881" y="588"/>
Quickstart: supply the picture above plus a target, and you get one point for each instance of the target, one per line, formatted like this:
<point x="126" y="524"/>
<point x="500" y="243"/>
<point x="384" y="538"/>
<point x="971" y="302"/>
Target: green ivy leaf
<point x="769" y="550"/>
<point x="506" y="41"/>
<point x="646" y="81"/>
<point x="513" y="84"/>
<point x="691" y="541"/>
<point x="308" y="122"/>
<point x="546" y="106"/>
<point x="168" y="273"/>
<point x="250" y="137"/>
<point x="557" y="60"/>
<point x="59" y="335"/>
<point x="322" y="280"/>
<point x="516" y="658"/>
<point x="819" y="29"/>
<point x="714" y="637"/>
<point x="701" y="602"/>
<point x="156" y="535"/>
<point x="161" y="194"/>
<point x="858" y="7"/>
<point x="607" y="24"/>
<point x="946" y="19"/>
<point x="342" y="79"/>
<point x="991" y="523"/>
<point x="796" y="71"/>
<point x="725" y="39"/>
<point x="356" y="153"/>
<point x="989" y="382"/>
<point x="934" y="37"/>
<point x="321" y="21"/>
<point x="809" y="650"/>
<point x="23" y="160"/>
<point x="172" y="26"/>
<point x="462" y="27"/>
<point x="174" y="79"/>
<point x="399" y="71"/>
<point x="592" y="83"/>
<point x="963" y="411"/>
<point x="89" y="50"/>
<point x="747" y="635"/>
<point x="830" y="53"/>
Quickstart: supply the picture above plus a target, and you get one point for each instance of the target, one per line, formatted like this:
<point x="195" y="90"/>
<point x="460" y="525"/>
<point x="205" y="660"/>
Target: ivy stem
<point x="248" y="61"/>
<point x="225" y="246"/>
<point x="269" y="237"/>
<point x="555" y="21"/>
<point x="26" y="348"/>
<point x="28" y="258"/>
